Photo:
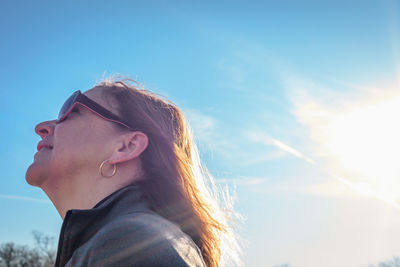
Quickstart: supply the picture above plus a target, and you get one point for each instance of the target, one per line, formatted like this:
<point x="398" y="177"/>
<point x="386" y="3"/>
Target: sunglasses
<point x="78" y="98"/>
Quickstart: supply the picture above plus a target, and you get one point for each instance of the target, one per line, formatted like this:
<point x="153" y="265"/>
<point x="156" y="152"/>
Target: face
<point x="72" y="148"/>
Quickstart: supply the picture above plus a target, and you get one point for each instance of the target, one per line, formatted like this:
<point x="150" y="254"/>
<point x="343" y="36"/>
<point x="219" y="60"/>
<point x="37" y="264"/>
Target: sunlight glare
<point x="361" y="142"/>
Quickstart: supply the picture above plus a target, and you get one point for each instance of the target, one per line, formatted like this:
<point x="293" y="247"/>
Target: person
<point x="120" y="166"/>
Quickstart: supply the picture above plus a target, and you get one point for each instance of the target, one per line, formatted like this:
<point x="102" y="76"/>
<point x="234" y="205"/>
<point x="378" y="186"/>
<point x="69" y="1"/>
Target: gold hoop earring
<point x="101" y="169"/>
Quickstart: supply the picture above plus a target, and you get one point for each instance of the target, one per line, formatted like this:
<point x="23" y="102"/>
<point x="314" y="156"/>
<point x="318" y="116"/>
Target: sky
<point x="294" y="106"/>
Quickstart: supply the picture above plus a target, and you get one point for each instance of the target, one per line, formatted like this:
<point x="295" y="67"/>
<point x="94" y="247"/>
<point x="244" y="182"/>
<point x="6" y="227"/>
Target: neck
<point x="81" y="197"/>
<point x="86" y="190"/>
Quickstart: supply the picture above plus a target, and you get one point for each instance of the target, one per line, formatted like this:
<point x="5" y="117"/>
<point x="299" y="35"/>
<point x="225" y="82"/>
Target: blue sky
<point x="293" y="103"/>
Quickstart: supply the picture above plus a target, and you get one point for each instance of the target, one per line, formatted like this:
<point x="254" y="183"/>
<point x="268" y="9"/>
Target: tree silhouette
<point x="42" y="255"/>
<point x="45" y="244"/>
<point x="395" y="262"/>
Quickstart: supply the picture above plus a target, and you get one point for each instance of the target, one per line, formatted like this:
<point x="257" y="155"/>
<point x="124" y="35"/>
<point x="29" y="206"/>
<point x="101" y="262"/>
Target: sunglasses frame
<point x="78" y="98"/>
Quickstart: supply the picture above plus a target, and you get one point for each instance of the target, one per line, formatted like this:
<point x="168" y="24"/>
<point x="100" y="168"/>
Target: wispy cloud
<point x="329" y="188"/>
<point x="257" y="158"/>
<point x="246" y="181"/>
<point x="24" y="198"/>
<point x="354" y="132"/>
<point x="209" y="131"/>
<point x="268" y="185"/>
<point x="343" y="187"/>
<point x="338" y="187"/>
<point x="216" y="137"/>
<point x="351" y="129"/>
<point x="267" y="140"/>
<point x="367" y="190"/>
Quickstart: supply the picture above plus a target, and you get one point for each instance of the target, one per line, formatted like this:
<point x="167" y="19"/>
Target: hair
<point x="177" y="185"/>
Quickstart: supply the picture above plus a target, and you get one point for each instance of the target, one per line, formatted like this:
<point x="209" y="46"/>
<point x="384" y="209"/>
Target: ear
<point x="130" y="146"/>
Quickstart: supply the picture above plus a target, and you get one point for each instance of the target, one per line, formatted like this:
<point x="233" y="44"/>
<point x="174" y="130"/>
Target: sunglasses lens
<point x="67" y="105"/>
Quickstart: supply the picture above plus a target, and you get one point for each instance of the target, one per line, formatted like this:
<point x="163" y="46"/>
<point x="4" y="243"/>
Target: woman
<point x="120" y="167"/>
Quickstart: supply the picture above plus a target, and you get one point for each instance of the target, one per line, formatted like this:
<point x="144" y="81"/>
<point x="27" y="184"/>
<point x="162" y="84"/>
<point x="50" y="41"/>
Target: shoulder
<point x="141" y="238"/>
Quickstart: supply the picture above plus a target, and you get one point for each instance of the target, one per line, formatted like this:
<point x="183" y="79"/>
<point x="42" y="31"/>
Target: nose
<point x="45" y="128"/>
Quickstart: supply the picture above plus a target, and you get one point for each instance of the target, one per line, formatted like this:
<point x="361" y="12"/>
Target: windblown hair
<point x="178" y="187"/>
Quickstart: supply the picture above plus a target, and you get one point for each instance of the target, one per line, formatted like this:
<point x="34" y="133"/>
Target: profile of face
<point x="73" y="148"/>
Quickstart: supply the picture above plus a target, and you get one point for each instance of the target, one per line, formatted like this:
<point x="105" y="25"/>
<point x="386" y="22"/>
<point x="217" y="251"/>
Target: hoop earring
<point x="101" y="169"/>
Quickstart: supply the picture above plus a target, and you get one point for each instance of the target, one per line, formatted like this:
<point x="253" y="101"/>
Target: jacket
<point x="122" y="230"/>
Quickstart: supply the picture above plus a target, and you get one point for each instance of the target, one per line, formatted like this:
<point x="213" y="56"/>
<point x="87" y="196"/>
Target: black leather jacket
<point x="122" y="230"/>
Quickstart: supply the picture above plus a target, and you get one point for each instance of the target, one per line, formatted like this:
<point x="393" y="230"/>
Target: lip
<point x="42" y="144"/>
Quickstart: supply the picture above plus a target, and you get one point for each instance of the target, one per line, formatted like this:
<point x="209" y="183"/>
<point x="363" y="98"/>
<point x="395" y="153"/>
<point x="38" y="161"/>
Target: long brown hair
<point x="176" y="184"/>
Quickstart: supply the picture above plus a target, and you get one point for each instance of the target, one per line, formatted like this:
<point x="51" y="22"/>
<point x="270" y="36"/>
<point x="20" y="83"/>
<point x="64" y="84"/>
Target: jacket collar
<point x="80" y="225"/>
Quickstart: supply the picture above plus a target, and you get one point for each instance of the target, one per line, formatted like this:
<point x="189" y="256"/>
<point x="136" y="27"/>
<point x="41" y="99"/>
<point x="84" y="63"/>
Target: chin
<point x="33" y="175"/>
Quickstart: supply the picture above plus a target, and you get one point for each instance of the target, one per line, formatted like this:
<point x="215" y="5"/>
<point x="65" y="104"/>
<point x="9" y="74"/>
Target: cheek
<point x="79" y="147"/>
<point x="68" y="151"/>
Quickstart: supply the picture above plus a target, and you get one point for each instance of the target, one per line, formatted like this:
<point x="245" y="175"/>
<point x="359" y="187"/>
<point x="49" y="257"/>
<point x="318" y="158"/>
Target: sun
<point x="360" y="140"/>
